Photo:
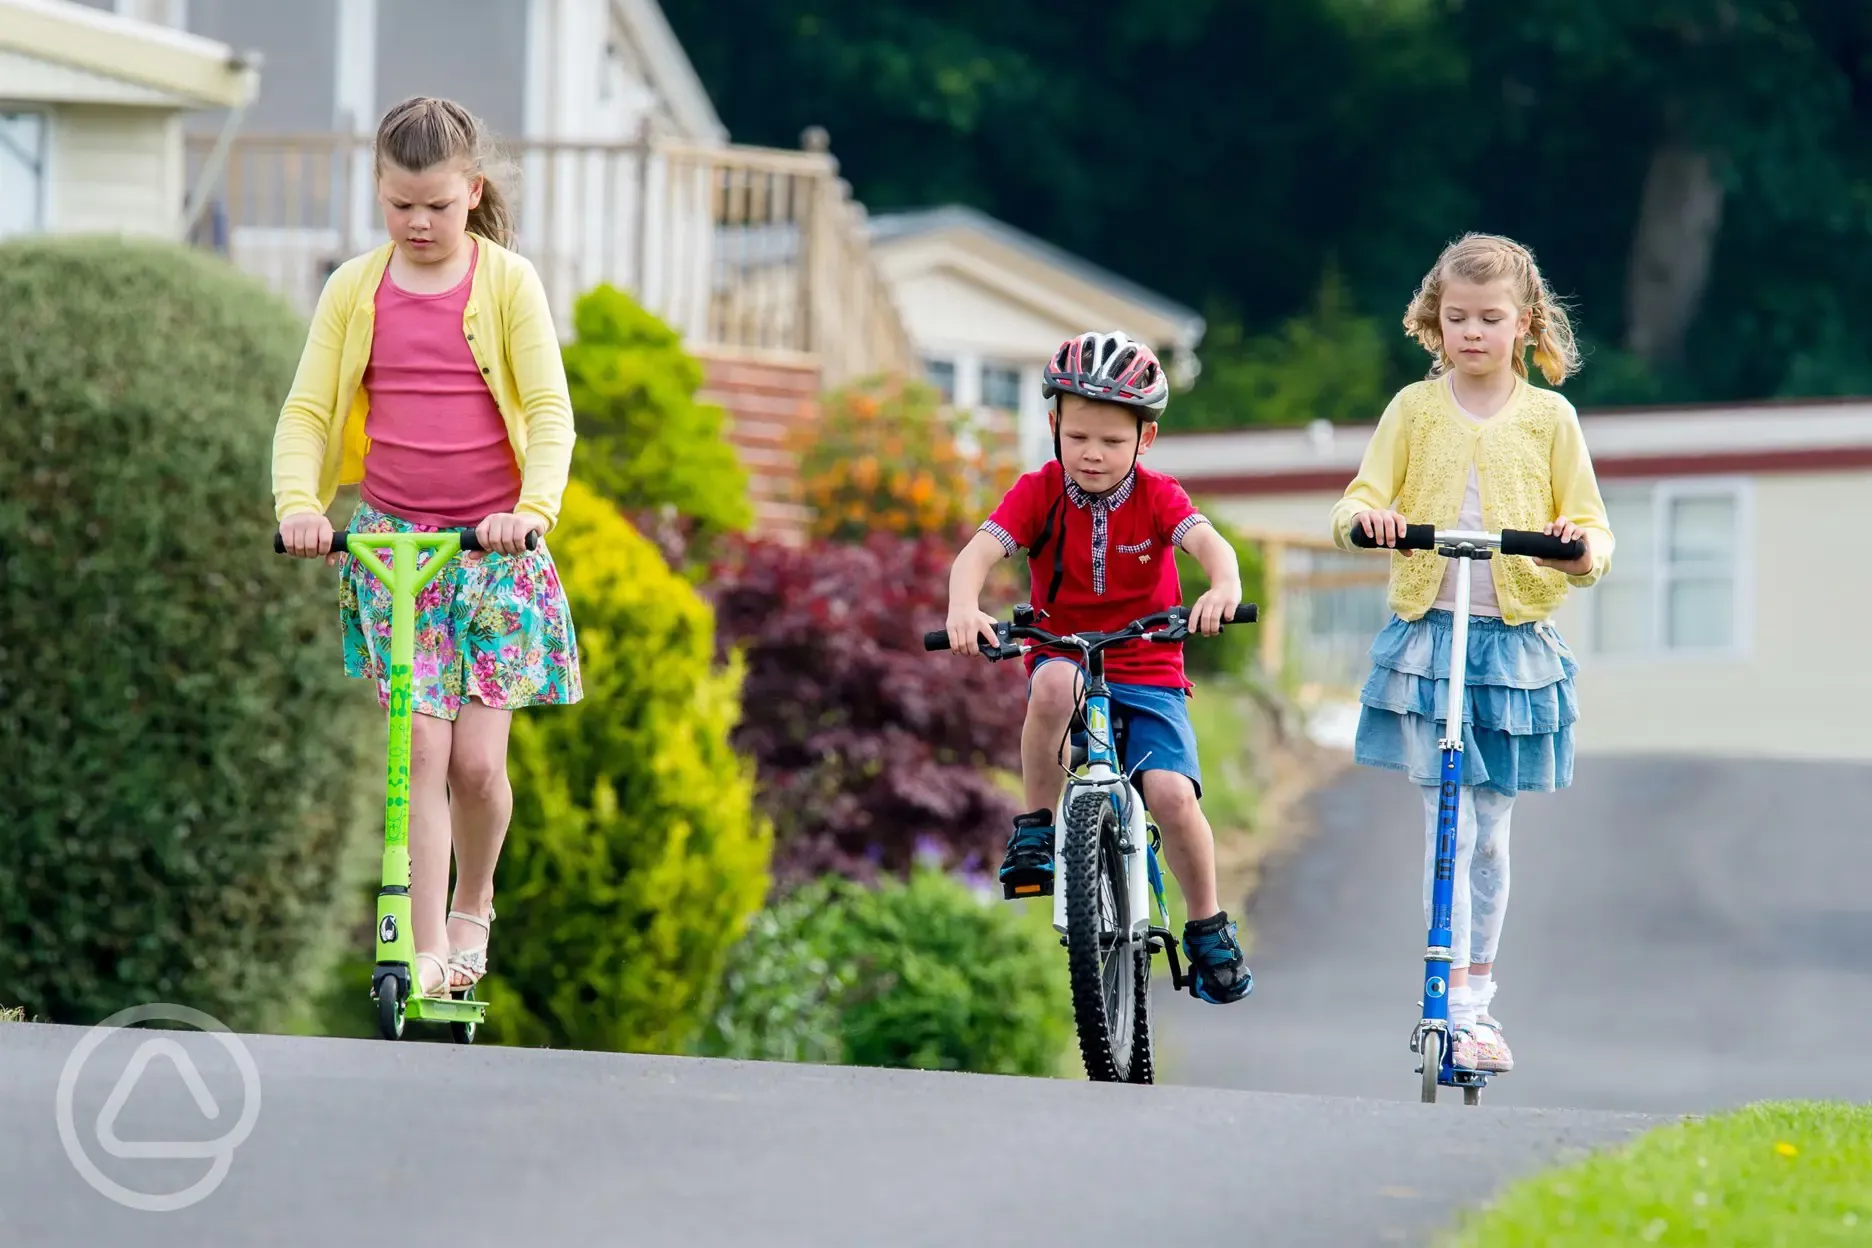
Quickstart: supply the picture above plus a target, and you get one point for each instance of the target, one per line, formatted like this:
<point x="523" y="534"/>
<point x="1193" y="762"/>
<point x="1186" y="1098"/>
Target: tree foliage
<point x="1694" y="177"/>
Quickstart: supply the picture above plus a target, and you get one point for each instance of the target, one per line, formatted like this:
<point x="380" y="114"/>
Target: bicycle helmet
<point x="1111" y="367"/>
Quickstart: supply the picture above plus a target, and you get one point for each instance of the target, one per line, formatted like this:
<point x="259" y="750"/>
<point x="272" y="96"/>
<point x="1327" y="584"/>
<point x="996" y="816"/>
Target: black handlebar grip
<point x="1246" y="613"/>
<point x="1416" y="537"/>
<point x="337" y="542"/>
<point x="1540" y="545"/>
<point x="470" y="542"/>
<point x="936" y="641"/>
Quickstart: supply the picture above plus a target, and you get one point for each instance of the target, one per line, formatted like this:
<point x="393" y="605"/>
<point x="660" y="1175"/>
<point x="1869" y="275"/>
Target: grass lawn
<point x="12" y="1015"/>
<point x="1793" y="1174"/>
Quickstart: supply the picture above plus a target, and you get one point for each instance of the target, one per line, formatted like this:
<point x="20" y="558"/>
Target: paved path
<point x="360" y="1142"/>
<point x="1681" y="937"/>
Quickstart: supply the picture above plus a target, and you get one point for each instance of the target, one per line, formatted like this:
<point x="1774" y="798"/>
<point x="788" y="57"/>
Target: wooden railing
<point x="1324" y="606"/>
<point x="742" y="249"/>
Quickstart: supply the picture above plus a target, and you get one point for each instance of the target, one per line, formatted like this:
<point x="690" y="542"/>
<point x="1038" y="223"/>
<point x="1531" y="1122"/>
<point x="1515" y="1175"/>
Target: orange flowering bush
<point x="885" y="457"/>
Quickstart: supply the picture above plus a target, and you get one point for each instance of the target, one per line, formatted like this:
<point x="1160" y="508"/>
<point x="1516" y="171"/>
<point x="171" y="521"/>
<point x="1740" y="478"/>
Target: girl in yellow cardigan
<point x="1476" y="446"/>
<point x="432" y="379"/>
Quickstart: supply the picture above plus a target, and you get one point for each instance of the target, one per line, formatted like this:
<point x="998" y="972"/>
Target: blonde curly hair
<point x="1486" y="258"/>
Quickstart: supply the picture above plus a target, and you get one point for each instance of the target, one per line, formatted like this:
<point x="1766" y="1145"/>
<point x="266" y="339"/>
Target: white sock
<point x="1481" y="991"/>
<point x="1462" y="1009"/>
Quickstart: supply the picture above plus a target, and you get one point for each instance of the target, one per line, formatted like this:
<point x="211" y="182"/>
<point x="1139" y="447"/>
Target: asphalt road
<point x="1681" y="937"/>
<point x="359" y="1142"/>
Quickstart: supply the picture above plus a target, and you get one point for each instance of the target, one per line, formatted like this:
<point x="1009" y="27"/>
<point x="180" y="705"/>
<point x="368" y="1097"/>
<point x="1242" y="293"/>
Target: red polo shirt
<point x="1120" y="561"/>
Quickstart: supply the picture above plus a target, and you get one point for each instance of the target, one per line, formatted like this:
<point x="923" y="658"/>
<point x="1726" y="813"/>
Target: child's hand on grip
<point x="307" y="536"/>
<point x="968" y="626"/>
<point x="1384" y="527"/>
<point x="505" y="532"/>
<point x="1567" y="531"/>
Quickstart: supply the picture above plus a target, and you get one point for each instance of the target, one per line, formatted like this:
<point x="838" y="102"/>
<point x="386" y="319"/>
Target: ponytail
<point x="1551" y="332"/>
<point x="492" y="218"/>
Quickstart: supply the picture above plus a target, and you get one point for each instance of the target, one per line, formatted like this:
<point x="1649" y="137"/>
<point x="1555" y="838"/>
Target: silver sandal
<point x="442" y="991"/>
<point x="469" y="963"/>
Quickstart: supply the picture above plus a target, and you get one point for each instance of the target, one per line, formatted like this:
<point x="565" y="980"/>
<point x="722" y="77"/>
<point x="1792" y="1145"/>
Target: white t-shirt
<point x="1482" y="598"/>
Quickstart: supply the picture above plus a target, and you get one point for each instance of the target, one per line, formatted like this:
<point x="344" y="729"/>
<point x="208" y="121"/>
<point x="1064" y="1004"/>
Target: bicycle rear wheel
<point x="1102" y="958"/>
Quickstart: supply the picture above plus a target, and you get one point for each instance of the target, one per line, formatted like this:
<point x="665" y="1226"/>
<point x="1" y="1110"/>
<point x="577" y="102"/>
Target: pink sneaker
<point x="1491" y="1047"/>
<point x="1463" y="1053"/>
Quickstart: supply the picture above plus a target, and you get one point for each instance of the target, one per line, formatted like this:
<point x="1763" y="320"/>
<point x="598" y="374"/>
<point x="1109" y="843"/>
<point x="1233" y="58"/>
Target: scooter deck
<point x="453" y="1010"/>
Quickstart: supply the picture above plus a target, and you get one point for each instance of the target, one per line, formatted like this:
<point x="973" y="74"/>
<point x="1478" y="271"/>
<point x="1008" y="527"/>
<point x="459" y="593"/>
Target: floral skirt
<point x="1519" y="703"/>
<point x="490" y="626"/>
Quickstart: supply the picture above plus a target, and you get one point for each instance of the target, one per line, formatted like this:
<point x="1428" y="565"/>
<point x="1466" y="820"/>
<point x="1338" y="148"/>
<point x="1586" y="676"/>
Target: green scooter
<point x="392" y="980"/>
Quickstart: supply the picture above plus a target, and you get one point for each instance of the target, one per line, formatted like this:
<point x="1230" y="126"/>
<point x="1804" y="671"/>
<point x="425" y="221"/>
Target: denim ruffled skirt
<point x="1519" y="704"/>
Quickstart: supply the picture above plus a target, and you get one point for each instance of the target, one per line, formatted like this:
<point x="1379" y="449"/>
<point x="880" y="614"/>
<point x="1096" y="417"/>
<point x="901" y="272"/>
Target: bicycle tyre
<point x="1104" y="988"/>
<point x="1143" y="1052"/>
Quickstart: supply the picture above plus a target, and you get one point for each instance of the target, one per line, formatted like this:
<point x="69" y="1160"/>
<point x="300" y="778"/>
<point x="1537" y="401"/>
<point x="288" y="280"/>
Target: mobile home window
<point x="941" y="374"/>
<point x="1001" y="387"/>
<point x="22" y="172"/>
<point x="1679" y="574"/>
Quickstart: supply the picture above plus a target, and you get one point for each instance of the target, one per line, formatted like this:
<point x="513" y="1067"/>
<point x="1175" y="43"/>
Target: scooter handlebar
<point x="1528" y="542"/>
<point x="338" y="543"/>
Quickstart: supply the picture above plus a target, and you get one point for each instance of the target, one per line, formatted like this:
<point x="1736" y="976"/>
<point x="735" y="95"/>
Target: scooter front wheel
<point x="1432" y="1064"/>
<point x="390" y="1010"/>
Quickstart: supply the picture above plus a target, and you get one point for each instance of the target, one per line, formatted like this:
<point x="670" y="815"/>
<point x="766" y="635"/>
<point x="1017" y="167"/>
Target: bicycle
<point x="1430" y="1038"/>
<point x="391" y="976"/>
<point x="1108" y="846"/>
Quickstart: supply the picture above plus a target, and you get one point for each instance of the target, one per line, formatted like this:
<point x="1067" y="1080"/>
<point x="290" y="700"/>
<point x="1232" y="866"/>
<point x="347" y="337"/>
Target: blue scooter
<point x="1430" y="1039"/>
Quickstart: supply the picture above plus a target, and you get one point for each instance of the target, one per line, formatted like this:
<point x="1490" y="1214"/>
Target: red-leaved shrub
<point x="871" y="750"/>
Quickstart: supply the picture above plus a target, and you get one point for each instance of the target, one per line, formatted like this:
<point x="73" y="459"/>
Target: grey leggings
<point x="1480" y="896"/>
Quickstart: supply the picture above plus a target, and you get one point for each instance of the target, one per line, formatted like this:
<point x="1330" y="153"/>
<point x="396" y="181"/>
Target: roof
<point x="671" y="71"/>
<point x="890" y="226"/>
<point x="177" y="69"/>
<point x="1700" y="439"/>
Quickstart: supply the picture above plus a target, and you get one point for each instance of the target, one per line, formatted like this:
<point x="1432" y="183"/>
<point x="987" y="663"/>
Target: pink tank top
<point x="439" y="453"/>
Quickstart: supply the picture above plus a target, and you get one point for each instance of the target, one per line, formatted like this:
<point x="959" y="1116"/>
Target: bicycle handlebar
<point x="1176" y="618"/>
<point x="1509" y="541"/>
<point x="338" y="543"/>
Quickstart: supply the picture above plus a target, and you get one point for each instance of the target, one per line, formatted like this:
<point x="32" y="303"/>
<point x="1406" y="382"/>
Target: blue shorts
<point x="1150" y="726"/>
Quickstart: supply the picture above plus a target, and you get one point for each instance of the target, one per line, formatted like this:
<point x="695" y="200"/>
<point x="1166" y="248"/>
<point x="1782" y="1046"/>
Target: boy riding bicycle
<point x="1111" y="527"/>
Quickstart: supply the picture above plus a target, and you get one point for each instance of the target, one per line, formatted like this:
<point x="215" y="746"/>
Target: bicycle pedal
<point x="1021" y="890"/>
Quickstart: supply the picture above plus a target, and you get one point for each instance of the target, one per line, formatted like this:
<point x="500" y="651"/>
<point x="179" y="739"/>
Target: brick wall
<point x="766" y="402"/>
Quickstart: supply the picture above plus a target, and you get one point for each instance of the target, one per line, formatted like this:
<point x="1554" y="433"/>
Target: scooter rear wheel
<point x="464" y="1033"/>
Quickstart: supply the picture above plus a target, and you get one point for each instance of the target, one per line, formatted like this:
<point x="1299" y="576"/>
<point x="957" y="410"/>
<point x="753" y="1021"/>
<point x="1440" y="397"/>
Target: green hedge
<point x="635" y="857"/>
<point x="1234" y="651"/>
<point x="186" y="762"/>
<point x="926" y="973"/>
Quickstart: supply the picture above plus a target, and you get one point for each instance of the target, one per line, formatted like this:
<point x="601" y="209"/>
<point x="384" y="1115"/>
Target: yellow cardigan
<point x="1531" y="468"/>
<point x="319" y="443"/>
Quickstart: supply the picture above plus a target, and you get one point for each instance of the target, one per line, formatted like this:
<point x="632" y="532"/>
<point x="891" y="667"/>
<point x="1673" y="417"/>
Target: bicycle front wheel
<point x="1100" y="953"/>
